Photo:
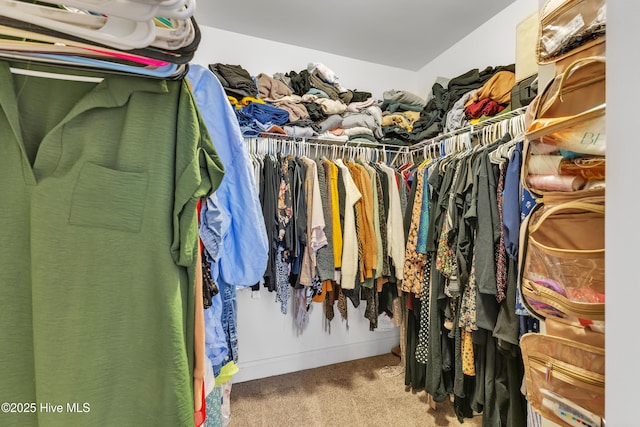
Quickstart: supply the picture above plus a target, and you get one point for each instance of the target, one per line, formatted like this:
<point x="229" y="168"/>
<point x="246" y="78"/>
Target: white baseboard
<point x="283" y="364"/>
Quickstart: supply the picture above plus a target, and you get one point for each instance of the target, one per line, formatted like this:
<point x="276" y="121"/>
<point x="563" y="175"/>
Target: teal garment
<point x="423" y="228"/>
<point x="214" y="408"/>
<point x="99" y="184"/>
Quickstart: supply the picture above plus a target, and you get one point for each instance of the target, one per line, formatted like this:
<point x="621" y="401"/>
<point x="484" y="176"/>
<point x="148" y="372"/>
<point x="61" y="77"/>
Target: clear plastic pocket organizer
<point x="563" y="266"/>
<point x="570" y="26"/>
<point x="565" y="380"/>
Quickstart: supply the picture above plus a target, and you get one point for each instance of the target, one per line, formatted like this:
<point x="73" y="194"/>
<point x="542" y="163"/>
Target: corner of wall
<point x="491" y="44"/>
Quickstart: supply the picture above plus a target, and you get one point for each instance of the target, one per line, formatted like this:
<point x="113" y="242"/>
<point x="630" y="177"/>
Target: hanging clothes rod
<point x="282" y="143"/>
<point x="332" y="142"/>
<point x="471" y="129"/>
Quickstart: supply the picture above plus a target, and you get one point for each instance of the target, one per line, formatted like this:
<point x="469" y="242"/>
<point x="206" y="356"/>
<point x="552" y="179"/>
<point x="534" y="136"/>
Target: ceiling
<point x="405" y="34"/>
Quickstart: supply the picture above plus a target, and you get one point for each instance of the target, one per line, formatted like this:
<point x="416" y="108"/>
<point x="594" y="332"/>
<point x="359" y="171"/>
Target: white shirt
<point x="316" y="238"/>
<point x="395" y="227"/>
<point x="349" y="236"/>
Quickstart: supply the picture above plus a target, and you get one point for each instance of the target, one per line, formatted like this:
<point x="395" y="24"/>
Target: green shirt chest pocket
<point x="108" y="198"/>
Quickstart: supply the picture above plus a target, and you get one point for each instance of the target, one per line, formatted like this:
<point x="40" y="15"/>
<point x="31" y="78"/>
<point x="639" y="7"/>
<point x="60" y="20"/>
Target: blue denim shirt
<point x="212" y="225"/>
<point x="243" y="259"/>
<point x="232" y="226"/>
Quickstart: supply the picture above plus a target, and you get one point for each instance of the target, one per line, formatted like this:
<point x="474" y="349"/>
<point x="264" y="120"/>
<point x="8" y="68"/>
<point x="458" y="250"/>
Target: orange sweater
<point x="365" y="212"/>
<point x="497" y="88"/>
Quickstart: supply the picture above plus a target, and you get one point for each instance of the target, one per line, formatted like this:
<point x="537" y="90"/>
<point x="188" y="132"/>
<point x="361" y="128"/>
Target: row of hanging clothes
<point x="463" y="318"/>
<point x="334" y="219"/>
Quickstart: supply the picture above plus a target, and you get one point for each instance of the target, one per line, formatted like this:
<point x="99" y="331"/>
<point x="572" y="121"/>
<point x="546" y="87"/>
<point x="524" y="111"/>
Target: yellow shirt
<point x="332" y="192"/>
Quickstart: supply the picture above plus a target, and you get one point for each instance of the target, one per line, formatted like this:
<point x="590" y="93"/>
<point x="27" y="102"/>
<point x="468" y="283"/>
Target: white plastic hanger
<point x="180" y="11"/>
<point x="464" y="145"/>
<point x="181" y="34"/>
<point x="432" y="151"/>
<point x="116" y="32"/>
<point x="42" y="43"/>
<point x="137" y="10"/>
<point x="59" y="76"/>
<point x="167" y="4"/>
<point x="515" y="127"/>
<point x="132" y="10"/>
<point x="497" y="128"/>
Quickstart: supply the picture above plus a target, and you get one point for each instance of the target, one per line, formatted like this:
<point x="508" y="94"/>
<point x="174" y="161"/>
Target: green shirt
<point x="98" y="240"/>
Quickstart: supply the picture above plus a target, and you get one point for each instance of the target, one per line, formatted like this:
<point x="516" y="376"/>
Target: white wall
<point x="267" y="340"/>
<point x="268" y="343"/>
<point x="622" y="232"/>
<point x="491" y="44"/>
<point x="264" y="56"/>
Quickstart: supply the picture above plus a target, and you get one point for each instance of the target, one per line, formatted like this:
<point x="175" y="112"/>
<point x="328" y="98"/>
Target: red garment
<point x="410" y="296"/>
<point x="483" y="107"/>
<point x="198" y="208"/>
<point x="201" y="415"/>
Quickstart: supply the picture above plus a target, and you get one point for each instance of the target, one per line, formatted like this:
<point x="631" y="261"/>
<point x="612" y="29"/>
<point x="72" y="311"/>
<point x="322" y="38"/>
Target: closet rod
<point x="378" y="152"/>
<point x="336" y="142"/>
<point x="472" y="129"/>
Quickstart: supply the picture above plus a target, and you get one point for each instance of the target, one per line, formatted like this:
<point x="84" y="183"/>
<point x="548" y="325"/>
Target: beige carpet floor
<point x="365" y="392"/>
